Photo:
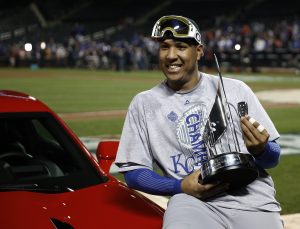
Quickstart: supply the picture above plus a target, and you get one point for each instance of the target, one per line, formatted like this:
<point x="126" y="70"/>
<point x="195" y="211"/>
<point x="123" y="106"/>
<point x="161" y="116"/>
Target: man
<point x="164" y="124"/>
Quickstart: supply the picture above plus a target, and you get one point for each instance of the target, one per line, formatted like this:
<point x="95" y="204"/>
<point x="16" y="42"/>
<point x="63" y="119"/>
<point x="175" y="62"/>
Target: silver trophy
<point x="226" y="163"/>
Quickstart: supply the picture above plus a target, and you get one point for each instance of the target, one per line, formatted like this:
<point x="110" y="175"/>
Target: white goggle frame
<point x="192" y="31"/>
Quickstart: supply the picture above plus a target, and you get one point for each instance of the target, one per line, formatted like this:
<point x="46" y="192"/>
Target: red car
<point x="48" y="179"/>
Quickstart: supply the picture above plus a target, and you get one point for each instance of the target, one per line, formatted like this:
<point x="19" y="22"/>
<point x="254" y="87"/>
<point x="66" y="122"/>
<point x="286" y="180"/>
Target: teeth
<point x="174" y="67"/>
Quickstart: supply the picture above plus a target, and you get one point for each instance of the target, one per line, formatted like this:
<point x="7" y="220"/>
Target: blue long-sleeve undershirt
<point x="150" y="182"/>
<point x="270" y="157"/>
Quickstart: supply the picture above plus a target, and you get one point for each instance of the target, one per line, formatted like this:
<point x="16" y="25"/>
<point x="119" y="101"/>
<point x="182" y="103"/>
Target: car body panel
<point x="100" y="206"/>
<point x="106" y="205"/>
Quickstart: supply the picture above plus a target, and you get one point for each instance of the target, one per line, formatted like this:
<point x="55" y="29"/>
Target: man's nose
<point x="172" y="53"/>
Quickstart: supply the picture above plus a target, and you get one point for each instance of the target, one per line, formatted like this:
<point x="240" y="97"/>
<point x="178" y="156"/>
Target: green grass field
<point x="67" y="91"/>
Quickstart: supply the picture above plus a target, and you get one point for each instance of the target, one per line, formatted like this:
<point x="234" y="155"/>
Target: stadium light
<point x="43" y="45"/>
<point x="237" y="47"/>
<point x="28" y="47"/>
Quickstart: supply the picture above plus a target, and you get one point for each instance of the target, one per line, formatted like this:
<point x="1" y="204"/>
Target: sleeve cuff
<point x="177" y="187"/>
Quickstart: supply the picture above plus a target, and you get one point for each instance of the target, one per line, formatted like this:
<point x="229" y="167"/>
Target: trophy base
<point x="237" y="169"/>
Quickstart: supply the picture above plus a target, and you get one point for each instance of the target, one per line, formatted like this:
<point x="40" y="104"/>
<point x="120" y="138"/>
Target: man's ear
<point x="200" y="52"/>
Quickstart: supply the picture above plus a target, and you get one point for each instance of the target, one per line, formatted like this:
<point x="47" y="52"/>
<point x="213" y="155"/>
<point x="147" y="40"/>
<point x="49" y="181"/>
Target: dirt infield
<point x="93" y="115"/>
<point x="283" y="96"/>
<point x="291" y="221"/>
<point x="270" y="99"/>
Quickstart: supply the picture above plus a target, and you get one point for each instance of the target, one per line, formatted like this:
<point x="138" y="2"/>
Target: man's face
<point x="178" y="61"/>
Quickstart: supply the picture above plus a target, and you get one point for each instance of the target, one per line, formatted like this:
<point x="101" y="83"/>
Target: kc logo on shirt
<point x="189" y="135"/>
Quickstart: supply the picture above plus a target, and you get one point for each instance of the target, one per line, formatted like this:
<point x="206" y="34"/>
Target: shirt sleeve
<point x="134" y="151"/>
<point x="257" y="111"/>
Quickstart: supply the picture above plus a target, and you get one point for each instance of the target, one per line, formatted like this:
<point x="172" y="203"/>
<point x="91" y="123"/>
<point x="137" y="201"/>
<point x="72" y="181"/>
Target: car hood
<point x="109" y="205"/>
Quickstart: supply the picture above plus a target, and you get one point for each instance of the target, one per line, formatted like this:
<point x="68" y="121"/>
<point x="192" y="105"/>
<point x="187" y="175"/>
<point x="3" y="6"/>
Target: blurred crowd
<point x="84" y="52"/>
<point x="139" y="52"/>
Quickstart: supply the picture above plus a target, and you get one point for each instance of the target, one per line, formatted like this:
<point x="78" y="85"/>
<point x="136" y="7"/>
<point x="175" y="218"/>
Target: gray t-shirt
<point x="165" y="127"/>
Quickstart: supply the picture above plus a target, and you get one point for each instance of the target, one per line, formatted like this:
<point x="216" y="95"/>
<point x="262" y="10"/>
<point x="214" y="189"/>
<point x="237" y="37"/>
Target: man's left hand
<point x="255" y="135"/>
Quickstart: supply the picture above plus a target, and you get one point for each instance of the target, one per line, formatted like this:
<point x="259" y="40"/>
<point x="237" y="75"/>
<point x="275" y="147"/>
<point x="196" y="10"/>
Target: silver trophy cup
<point x="226" y="163"/>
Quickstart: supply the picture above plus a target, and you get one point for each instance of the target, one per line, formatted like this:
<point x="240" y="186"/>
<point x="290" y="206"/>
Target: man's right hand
<point x="191" y="186"/>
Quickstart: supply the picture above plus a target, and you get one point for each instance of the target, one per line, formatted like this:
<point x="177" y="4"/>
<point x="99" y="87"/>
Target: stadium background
<point x="87" y="59"/>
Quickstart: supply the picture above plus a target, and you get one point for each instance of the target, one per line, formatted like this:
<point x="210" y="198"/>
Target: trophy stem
<point x="236" y="142"/>
<point x="211" y="140"/>
<point x="227" y="143"/>
<point x="233" y="131"/>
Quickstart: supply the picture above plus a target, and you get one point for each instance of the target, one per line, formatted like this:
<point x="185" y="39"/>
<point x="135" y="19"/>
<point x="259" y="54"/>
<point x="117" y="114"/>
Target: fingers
<point x="209" y="186"/>
<point x="248" y="141"/>
<point x="190" y="185"/>
<point x="255" y="135"/>
<point x="214" y="190"/>
<point x="197" y="173"/>
<point x="260" y="128"/>
<point x="253" y="129"/>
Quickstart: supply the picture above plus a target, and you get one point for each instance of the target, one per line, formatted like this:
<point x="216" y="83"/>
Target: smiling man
<point x="178" y="61"/>
<point x="165" y="125"/>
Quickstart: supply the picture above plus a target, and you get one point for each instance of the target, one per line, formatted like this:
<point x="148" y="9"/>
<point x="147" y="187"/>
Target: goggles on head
<point x="179" y="26"/>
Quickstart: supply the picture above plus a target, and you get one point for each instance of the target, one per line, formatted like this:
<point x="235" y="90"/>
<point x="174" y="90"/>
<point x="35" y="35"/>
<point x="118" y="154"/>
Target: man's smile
<point x="173" y="67"/>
